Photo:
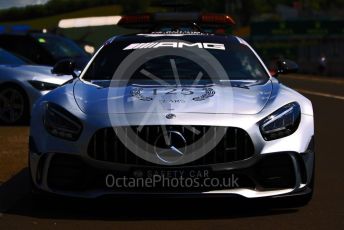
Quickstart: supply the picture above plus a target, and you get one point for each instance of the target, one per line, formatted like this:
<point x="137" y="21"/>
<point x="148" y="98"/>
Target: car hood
<point x="34" y="72"/>
<point x="240" y="97"/>
<point x="36" y="69"/>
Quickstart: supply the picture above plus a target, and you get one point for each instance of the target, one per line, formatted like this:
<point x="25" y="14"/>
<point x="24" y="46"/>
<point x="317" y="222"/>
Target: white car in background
<point x="21" y="84"/>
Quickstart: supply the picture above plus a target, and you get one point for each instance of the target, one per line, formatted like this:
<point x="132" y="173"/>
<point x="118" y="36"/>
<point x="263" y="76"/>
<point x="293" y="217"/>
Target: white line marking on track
<point x="320" y="94"/>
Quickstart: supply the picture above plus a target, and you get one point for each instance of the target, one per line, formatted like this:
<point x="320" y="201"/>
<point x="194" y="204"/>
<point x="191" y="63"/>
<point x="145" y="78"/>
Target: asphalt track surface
<point x="325" y="211"/>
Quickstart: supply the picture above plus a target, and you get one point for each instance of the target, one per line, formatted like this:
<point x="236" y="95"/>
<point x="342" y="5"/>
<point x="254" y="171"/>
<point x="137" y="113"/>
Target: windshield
<point x="59" y="47"/>
<point x="7" y="58"/>
<point x="238" y="61"/>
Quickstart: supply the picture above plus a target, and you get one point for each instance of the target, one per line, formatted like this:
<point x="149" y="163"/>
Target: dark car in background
<point x="44" y="48"/>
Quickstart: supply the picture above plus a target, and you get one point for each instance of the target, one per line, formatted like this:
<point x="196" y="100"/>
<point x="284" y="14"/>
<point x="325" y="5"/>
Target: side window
<point x="249" y="64"/>
<point x="26" y="47"/>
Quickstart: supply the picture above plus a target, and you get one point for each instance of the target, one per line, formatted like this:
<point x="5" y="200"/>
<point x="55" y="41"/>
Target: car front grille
<point x="235" y="145"/>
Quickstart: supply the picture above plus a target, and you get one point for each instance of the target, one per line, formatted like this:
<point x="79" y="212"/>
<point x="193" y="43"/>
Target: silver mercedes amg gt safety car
<point x="174" y="114"/>
<point x="21" y="84"/>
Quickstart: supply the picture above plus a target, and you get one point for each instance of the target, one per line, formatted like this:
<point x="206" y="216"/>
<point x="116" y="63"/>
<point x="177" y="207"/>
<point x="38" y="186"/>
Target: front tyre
<point x="14" y="105"/>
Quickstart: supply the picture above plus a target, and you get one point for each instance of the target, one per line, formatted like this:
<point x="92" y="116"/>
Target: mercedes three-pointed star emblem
<point x="170" y="146"/>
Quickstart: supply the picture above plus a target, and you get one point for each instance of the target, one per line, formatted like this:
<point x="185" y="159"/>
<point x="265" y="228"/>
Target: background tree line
<point x="50" y="8"/>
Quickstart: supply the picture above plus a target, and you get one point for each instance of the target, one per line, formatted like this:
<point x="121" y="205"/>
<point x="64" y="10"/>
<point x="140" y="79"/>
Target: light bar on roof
<point x="89" y="22"/>
<point x="176" y="16"/>
<point x="217" y="19"/>
<point x="172" y="18"/>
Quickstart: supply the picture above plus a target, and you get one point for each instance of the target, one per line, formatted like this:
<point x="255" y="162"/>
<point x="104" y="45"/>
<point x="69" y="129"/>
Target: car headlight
<point x="61" y="123"/>
<point x="281" y="123"/>
<point x="42" y="86"/>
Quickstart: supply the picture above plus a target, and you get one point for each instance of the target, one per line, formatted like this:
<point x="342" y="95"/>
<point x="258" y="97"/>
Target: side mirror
<point x="286" y="66"/>
<point x="64" y="67"/>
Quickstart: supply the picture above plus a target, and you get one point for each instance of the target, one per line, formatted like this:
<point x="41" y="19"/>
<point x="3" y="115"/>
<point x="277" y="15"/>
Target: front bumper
<point x="269" y="175"/>
<point x="299" y="169"/>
